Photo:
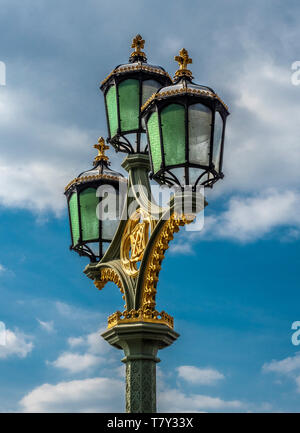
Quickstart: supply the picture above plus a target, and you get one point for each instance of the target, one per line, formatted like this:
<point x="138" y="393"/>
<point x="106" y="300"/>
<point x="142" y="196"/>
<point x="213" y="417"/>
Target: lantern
<point x="185" y="125"/>
<point x="125" y="90"/>
<point x="91" y="231"/>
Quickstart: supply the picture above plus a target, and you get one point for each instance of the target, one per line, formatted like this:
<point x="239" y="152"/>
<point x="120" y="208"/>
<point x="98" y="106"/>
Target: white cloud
<point x="261" y="149"/>
<point x="92" y="346"/>
<point x="71" y="312"/>
<point x="173" y="400"/>
<point x="36" y="177"/>
<point x="33" y="186"/>
<point x="76" y="341"/>
<point x="297" y="380"/>
<point x="76" y="362"/>
<point x="200" y="376"/>
<point x="107" y="395"/>
<point x="251" y="218"/>
<point x="285" y="366"/>
<point x="181" y="248"/>
<point x="121" y="371"/>
<point x="89" y="395"/>
<point x="16" y="344"/>
<point x="47" y="326"/>
<point x="289" y="367"/>
<point x="2" y="269"/>
<point x="92" y="342"/>
<point x="64" y="309"/>
<point x="176" y="400"/>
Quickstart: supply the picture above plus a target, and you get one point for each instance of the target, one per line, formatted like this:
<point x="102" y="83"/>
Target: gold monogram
<point x="134" y="241"/>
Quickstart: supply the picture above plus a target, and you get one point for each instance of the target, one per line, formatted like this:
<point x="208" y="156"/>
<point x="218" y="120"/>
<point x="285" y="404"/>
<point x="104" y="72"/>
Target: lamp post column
<point x="140" y="342"/>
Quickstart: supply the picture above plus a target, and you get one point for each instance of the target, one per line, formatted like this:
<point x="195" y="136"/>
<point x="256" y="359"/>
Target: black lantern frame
<point x="78" y="186"/>
<point x="137" y="69"/>
<point x="190" y="96"/>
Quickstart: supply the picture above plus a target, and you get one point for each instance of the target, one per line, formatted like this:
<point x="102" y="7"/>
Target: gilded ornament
<point x="134" y="241"/>
<point x="183" y="60"/>
<point x="140" y="315"/>
<point x="101" y="147"/>
<point x="109" y="274"/>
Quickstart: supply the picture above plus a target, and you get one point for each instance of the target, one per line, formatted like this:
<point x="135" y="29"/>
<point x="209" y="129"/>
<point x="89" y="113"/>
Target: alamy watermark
<point x="157" y="203"/>
<point x="2" y="74"/>
<point x="2" y="334"/>
<point x="295" y="77"/>
<point x="296" y="335"/>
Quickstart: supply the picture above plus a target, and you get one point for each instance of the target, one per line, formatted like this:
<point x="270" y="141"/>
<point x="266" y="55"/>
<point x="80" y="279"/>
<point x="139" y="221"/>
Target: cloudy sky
<point x="233" y="288"/>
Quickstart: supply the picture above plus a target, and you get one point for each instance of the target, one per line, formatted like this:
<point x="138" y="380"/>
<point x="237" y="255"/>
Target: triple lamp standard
<point x="173" y="132"/>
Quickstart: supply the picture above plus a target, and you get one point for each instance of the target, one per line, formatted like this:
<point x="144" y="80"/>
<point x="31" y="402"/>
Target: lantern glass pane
<point x="89" y="221"/>
<point x="194" y="173"/>
<point x="179" y="173"/>
<point x="143" y="142"/>
<point x="200" y="118"/>
<point x="129" y="100"/>
<point x="109" y="228"/>
<point x="217" y="140"/>
<point x="105" y="246"/>
<point x="149" y="87"/>
<point x="112" y="110"/>
<point x="173" y="132"/>
<point x="154" y="138"/>
<point x="73" y="208"/>
<point x="94" y="246"/>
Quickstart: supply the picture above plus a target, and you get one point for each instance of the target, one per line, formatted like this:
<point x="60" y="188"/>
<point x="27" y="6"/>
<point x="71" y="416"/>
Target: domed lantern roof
<point x="185" y="125"/>
<point x="92" y="230"/>
<point x="125" y="90"/>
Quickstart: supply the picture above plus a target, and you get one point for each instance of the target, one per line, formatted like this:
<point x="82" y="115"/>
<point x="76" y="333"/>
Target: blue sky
<point x="233" y="288"/>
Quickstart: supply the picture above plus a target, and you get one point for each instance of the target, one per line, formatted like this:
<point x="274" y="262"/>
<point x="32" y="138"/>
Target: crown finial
<point x="101" y="147"/>
<point x="138" y="44"/>
<point x="183" y="60"/>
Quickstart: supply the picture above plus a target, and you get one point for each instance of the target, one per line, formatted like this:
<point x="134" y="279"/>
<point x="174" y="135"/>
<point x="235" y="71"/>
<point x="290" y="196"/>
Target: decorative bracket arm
<point x="142" y="237"/>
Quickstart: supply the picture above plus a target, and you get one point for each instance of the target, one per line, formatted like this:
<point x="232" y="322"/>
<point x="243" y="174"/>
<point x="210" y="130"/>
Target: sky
<point x="233" y="288"/>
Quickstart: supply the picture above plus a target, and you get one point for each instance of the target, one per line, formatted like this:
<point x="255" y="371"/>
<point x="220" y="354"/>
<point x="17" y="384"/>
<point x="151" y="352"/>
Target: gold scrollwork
<point x="134" y="241"/>
<point x="135" y="238"/>
<point x="166" y="234"/>
<point x="182" y="90"/>
<point x="108" y="274"/>
<point x="140" y="315"/>
<point x="139" y="67"/>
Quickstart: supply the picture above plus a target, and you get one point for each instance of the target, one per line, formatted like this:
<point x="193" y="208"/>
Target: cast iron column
<point x="140" y="342"/>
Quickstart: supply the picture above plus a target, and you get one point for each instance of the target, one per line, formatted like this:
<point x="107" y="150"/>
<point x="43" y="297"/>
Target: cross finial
<point x="138" y="44"/>
<point x="101" y="147"/>
<point x="183" y="60"/>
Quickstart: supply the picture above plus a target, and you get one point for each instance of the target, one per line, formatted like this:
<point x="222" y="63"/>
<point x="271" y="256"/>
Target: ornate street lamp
<point x="125" y="90"/>
<point x="185" y="126"/>
<point x="91" y="235"/>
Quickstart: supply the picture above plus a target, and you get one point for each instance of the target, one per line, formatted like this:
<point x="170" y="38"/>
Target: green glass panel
<point x="129" y="104"/>
<point x="173" y="132"/>
<point x="112" y="110"/>
<point x="154" y="138"/>
<point x="74" y="218"/>
<point x="89" y="221"/>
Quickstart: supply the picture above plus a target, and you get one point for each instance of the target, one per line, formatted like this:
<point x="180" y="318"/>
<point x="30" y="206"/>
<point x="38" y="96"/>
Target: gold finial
<point x="183" y="60"/>
<point x="138" y="44"/>
<point x="101" y="147"/>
